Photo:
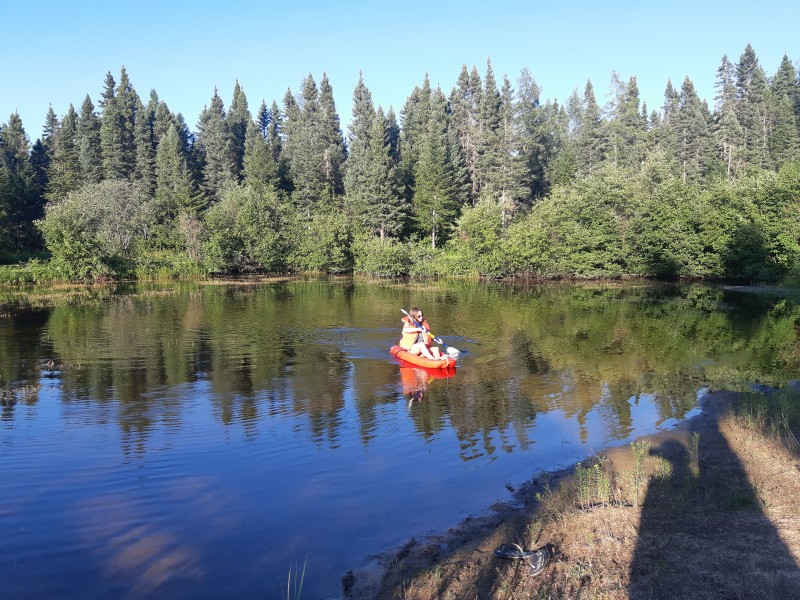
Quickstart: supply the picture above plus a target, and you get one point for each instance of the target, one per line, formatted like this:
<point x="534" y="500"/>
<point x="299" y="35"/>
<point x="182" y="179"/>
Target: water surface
<point x="195" y="441"/>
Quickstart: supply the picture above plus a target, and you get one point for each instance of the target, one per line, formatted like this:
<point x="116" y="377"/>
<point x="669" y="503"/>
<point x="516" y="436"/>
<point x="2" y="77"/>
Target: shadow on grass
<point x="703" y="531"/>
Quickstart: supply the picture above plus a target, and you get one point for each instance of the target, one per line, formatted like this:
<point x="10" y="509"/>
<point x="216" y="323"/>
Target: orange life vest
<point x="408" y="339"/>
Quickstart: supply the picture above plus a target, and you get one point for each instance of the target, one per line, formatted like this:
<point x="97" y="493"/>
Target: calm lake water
<point x="197" y="441"/>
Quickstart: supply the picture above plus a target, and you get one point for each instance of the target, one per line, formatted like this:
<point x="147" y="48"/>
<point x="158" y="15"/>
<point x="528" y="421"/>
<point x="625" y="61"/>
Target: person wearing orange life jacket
<point x="416" y="339"/>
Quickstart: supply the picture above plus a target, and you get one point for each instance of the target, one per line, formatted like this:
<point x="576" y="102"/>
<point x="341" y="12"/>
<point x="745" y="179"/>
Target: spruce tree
<point x="175" y="191"/>
<point x="540" y="138"/>
<point x="628" y="128"/>
<point x="490" y="148"/>
<point x="384" y="207"/>
<point x="127" y="102"/>
<point x="238" y="120"/>
<point x="414" y="124"/>
<point x="784" y="137"/>
<point x="465" y="101"/>
<point x="264" y="120"/>
<point x="356" y="181"/>
<point x="111" y="134"/>
<point x="91" y="160"/>
<point x="260" y="169"/>
<point x="751" y="108"/>
<point x="690" y="124"/>
<point x="214" y="146"/>
<point x="275" y="144"/>
<point x="19" y="205"/>
<point x="512" y="175"/>
<point x="306" y="162"/>
<point x="435" y="203"/>
<point x="593" y="136"/>
<point x="393" y="135"/>
<point x="727" y="129"/>
<point x="65" y="169"/>
<point x="146" y="144"/>
<point x="334" y="151"/>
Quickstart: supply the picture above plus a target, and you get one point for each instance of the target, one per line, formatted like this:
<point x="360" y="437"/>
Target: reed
<point x="294" y="583"/>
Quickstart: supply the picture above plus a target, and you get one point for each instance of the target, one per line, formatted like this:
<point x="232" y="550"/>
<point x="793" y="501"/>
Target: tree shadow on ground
<point x="703" y="531"/>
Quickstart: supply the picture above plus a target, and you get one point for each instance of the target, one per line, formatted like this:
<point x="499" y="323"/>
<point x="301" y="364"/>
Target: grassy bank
<point x="707" y="510"/>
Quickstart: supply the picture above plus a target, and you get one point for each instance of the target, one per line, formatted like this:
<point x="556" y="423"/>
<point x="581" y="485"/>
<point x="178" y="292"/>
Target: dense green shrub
<point x="322" y="243"/>
<point x="242" y="232"/>
<point x="92" y="232"/>
<point x="381" y="258"/>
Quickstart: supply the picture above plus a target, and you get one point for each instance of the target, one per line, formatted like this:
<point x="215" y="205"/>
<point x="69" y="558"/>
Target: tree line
<point x="489" y="179"/>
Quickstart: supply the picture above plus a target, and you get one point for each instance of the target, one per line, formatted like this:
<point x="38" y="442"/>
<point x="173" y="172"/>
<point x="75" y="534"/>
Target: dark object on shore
<point x="537" y="559"/>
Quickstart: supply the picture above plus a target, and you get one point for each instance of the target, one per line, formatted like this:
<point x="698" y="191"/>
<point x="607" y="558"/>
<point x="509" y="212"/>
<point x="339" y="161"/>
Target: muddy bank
<point x="709" y="509"/>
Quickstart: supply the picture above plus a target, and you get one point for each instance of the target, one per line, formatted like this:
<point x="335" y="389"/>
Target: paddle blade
<point x="452" y="352"/>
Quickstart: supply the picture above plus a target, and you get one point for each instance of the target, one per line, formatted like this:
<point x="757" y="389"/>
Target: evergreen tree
<point x="238" y="120"/>
<point x="727" y="129"/>
<point x="435" y="204"/>
<point x="306" y="162"/>
<point x="40" y="165"/>
<point x="175" y="191"/>
<point x="540" y="137"/>
<point x="592" y="138"/>
<point x="264" y="120"/>
<point x="65" y="169"/>
<point x="42" y="153"/>
<point x="127" y="103"/>
<point x="214" y="146"/>
<point x="393" y="135"/>
<point x="512" y="175"/>
<point x="146" y="144"/>
<point x="91" y="160"/>
<point x="111" y="132"/>
<point x="489" y="145"/>
<point x="465" y="100"/>
<point x="260" y="169"/>
<point x="784" y="137"/>
<point x="357" y="179"/>
<point x="751" y="88"/>
<point x="690" y="124"/>
<point x="628" y="128"/>
<point x="19" y="206"/>
<point x="414" y="125"/>
<point x="334" y="151"/>
<point x="663" y="125"/>
<point x="275" y="144"/>
<point x="384" y="215"/>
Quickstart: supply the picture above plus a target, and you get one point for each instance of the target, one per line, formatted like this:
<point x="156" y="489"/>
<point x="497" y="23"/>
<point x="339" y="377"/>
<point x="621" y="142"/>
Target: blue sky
<point x="56" y="52"/>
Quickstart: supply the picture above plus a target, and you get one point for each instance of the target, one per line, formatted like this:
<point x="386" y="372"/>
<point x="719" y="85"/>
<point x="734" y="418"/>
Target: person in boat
<point x="416" y="339"/>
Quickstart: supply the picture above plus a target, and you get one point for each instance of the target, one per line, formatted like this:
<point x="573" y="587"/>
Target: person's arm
<point x="411" y="328"/>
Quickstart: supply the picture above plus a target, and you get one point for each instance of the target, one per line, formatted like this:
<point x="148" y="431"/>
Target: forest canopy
<point x="485" y="179"/>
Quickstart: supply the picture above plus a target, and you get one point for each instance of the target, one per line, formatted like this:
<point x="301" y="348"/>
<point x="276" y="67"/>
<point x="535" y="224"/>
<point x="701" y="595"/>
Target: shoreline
<point x="461" y="558"/>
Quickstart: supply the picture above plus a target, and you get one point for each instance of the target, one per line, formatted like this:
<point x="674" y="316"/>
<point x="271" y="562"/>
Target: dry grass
<point x="708" y="510"/>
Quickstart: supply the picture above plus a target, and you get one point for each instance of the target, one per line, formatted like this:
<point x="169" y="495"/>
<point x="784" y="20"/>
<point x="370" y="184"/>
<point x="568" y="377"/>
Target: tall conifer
<point x="91" y="160"/>
<point x="214" y="145"/>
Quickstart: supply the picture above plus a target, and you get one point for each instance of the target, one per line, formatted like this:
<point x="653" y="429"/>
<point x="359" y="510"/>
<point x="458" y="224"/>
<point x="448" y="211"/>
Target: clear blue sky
<point x="55" y="52"/>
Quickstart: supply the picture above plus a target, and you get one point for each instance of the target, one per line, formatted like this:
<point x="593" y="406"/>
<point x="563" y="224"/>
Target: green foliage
<point x="321" y="244"/>
<point x="479" y="242"/>
<point x="381" y="258"/>
<point x="165" y="264"/>
<point x="546" y="189"/>
<point x="242" y="232"/>
<point x="92" y="232"/>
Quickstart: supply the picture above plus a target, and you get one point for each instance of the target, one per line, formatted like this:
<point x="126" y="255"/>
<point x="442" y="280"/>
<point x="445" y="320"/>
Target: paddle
<point x="453" y="352"/>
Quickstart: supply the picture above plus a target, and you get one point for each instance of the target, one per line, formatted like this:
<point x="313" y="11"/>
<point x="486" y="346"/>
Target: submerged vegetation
<point x="487" y="180"/>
